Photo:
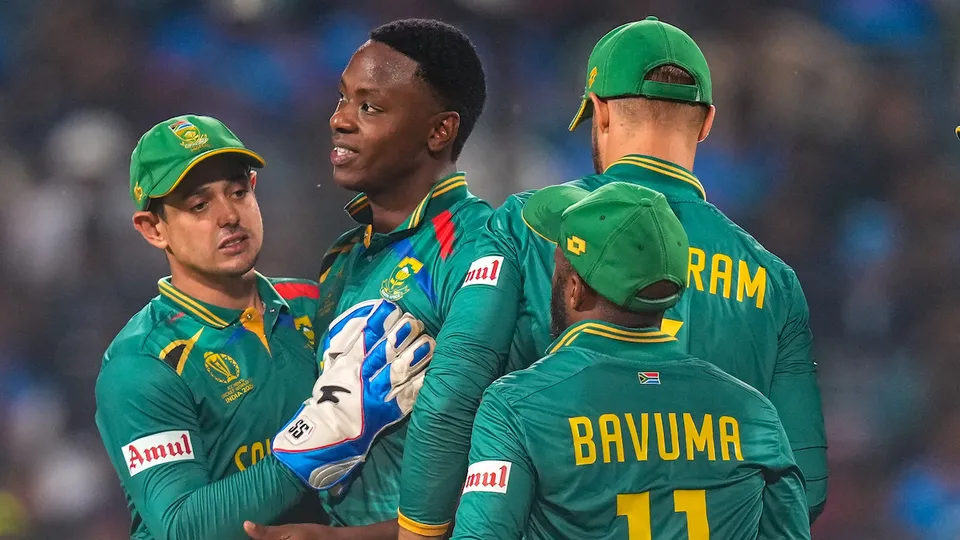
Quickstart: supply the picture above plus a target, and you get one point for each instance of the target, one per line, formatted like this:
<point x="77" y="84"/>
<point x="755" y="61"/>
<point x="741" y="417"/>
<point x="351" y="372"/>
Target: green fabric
<point x="419" y="265"/>
<point x="620" y="239"/>
<point x="754" y="325"/>
<point x="587" y="445"/>
<point x="166" y="153"/>
<point x="622" y="58"/>
<point x="216" y="397"/>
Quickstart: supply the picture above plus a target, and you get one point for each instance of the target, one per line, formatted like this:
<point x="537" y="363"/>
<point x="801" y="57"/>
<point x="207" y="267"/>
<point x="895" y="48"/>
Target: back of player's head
<point x="663" y="111"/>
<point x="447" y="61"/>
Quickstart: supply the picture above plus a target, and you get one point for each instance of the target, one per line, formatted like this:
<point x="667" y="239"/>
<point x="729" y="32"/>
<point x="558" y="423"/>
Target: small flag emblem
<point x="649" y="377"/>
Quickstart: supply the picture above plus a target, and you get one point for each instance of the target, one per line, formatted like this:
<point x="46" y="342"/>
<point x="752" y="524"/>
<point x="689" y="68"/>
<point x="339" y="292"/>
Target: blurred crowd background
<point x="834" y="145"/>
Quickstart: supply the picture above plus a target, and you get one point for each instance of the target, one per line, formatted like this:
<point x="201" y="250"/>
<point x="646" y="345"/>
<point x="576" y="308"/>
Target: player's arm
<point x="501" y="479"/>
<point x="785" y="515"/>
<point x="796" y="395"/>
<point x="152" y="435"/>
<point x="471" y="350"/>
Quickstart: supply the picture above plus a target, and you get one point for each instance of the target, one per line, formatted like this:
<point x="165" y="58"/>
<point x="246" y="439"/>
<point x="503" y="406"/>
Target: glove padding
<point x="373" y="369"/>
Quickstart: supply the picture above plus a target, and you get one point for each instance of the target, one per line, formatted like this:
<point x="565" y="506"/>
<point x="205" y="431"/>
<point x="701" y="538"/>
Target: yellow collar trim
<point x="416" y="217"/>
<point x="610" y="332"/>
<point x="662" y="168"/>
<point x="191" y="305"/>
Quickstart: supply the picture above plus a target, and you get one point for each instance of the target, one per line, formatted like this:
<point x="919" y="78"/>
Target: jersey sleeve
<point x="472" y="347"/>
<point x="795" y="393"/>
<point x="784" y="515"/>
<point x="501" y="479"/>
<point x="152" y="435"/>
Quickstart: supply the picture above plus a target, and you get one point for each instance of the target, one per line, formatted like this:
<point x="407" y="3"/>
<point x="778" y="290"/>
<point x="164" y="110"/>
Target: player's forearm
<point x="471" y="352"/>
<point x="260" y="493"/>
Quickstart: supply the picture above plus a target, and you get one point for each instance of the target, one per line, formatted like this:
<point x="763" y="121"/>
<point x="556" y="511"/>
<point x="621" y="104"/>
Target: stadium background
<point x="833" y="145"/>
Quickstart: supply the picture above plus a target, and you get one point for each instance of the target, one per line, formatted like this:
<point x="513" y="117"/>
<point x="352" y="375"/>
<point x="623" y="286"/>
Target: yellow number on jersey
<point x="692" y="502"/>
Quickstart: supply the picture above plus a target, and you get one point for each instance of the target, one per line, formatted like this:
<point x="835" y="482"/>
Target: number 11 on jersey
<point x="636" y="508"/>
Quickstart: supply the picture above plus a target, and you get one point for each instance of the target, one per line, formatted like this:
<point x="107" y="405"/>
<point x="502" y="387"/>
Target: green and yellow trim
<point x="361" y="203"/>
<point x="536" y="232"/>
<point x="580" y="115"/>
<point x="611" y="332"/>
<point x="358" y="203"/>
<point x="442" y="187"/>
<point x="663" y="168"/>
<point x="190" y="305"/>
<point x="187" y="347"/>
<point x="422" y="529"/>
<point x="193" y="163"/>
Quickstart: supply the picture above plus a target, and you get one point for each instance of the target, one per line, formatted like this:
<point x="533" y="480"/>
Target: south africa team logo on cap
<point x="189" y="135"/>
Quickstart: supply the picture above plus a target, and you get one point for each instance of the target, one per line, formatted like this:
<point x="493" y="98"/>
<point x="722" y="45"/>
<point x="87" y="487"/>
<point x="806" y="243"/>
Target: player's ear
<point x="253" y="180"/>
<point x="152" y="228"/>
<point x="578" y="290"/>
<point x="707" y="123"/>
<point x="601" y="113"/>
<point x="443" y="130"/>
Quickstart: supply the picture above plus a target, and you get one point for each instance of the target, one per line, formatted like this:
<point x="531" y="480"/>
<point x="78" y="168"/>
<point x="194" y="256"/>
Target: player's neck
<point x="230" y="292"/>
<point x="392" y="207"/>
<point x="672" y="146"/>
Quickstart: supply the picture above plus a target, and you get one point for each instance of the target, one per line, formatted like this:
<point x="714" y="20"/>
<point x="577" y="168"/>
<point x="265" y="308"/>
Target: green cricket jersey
<point x="189" y="398"/>
<point x="419" y="265"/>
<point x="620" y="434"/>
<point x="743" y="310"/>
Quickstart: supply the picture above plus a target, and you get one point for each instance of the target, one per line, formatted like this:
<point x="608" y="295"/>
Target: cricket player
<point x="619" y="433"/>
<point x="192" y="391"/>
<point x="648" y="92"/>
<point x="409" y="98"/>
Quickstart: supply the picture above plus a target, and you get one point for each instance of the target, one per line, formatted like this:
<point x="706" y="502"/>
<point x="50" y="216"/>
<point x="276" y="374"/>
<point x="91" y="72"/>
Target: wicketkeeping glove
<point x="373" y="369"/>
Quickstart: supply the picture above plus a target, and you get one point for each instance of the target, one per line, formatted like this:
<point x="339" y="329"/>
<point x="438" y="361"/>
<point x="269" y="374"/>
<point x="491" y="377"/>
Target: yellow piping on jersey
<point x="191" y="305"/>
<point x="662" y="168"/>
<point x="598" y="329"/>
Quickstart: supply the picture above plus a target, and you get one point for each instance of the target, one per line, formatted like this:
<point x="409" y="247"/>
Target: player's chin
<point x="238" y="265"/>
<point x="350" y="178"/>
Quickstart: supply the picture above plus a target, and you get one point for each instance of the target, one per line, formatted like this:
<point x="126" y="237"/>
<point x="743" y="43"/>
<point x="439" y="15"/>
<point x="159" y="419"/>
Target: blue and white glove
<point x="373" y="368"/>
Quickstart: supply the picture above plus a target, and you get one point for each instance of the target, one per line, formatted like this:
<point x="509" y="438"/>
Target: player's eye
<point x="199" y="207"/>
<point x="368" y="107"/>
<point x="240" y="193"/>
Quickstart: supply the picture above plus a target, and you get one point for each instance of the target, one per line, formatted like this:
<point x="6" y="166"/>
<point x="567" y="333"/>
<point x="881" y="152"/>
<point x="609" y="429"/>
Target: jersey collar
<point x="442" y="196"/>
<point x="663" y="176"/>
<point x="216" y="316"/>
<point x="600" y="335"/>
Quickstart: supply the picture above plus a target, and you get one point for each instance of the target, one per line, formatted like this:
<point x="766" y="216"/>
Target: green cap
<point x="620" y="239"/>
<point x="167" y="152"/>
<point x="622" y="58"/>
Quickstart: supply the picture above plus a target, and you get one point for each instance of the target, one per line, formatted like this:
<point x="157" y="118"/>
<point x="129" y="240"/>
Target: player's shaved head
<point x="447" y="61"/>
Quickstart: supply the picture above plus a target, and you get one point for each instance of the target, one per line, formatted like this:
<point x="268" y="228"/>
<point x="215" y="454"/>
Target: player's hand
<point x="374" y="361"/>
<point x="300" y="531"/>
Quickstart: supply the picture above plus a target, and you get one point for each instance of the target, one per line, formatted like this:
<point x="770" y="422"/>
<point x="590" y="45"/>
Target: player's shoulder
<point x="538" y="378"/>
<point x="748" y="244"/>
<point x="470" y="212"/>
<point x="143" y="340"/>
<point x="729" y="385"/>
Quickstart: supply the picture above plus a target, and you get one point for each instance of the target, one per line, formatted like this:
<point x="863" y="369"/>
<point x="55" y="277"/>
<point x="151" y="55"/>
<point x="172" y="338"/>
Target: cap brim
<point x="543" y="209"/>
<point x="958" y="132"/>
<point x="586" y="111"/>
<point x="251" y="158"/>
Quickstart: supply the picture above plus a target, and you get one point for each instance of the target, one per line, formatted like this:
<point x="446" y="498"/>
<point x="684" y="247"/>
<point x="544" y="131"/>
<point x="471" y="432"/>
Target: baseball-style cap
<point x="622" y="58"/>
<point x="167" y="152"/>
<point x="620" y="239"/>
